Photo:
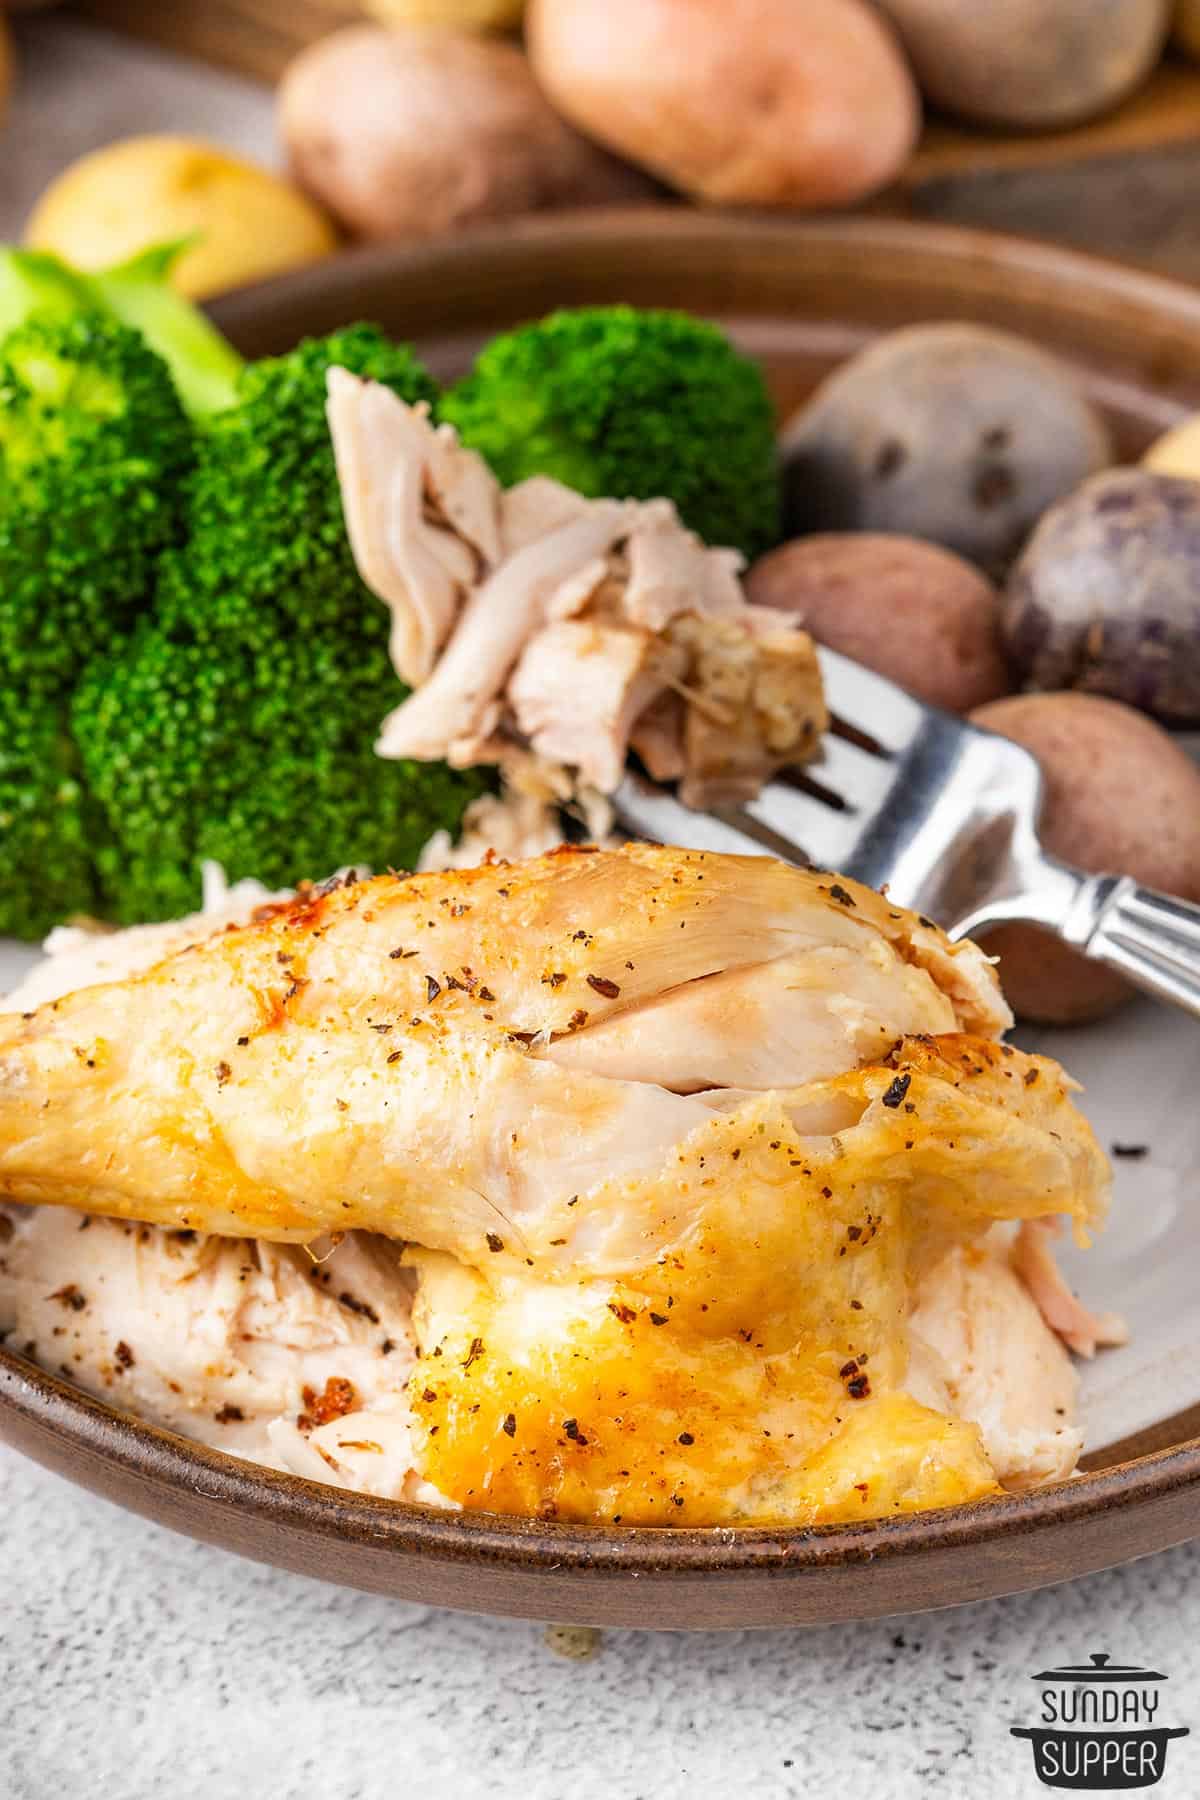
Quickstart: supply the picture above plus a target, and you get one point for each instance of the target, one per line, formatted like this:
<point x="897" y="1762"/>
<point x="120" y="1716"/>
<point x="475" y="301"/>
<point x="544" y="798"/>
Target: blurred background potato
<point x="1035" y="64"/>
<point x="414" y="131"/>
<point x="769" y="114"/>
<point x="247" y="223"/>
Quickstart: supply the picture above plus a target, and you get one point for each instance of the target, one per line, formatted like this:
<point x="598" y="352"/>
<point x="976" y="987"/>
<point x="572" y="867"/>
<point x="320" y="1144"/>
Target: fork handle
<point x="1150" y="938"/>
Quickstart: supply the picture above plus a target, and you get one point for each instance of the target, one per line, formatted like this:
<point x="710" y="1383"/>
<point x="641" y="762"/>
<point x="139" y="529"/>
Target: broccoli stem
<point x="204" y="366"/>
<point x="32" y="282"/>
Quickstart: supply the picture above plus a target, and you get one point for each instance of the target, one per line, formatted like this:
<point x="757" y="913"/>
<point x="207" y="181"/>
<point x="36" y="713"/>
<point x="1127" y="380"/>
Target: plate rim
<point x="121" y="1439"/>
<point x="579" y="228"/>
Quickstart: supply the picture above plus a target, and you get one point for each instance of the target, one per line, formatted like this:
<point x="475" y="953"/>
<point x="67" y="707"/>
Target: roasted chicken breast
<point x="676" y="1142"/>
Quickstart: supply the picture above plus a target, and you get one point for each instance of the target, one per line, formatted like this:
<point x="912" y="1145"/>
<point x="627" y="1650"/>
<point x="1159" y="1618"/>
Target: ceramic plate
<point x="802" y="296"/>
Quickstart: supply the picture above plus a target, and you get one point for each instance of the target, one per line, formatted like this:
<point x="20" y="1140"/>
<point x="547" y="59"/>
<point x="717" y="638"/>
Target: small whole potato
<point x="1034" y="64"/>
<point x="1106" y="597"/>
<point x="951" y="432"/>
<point x="248" y="223"/>
<point x="907" y="609"/>
<point x="412" y="132"/>
<point x="1121" y="798"/>
<point x="791" y="103"/>
<point x="1185" y="26"/>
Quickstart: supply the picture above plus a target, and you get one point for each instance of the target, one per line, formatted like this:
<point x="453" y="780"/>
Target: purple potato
<point x="1106" y="597"/>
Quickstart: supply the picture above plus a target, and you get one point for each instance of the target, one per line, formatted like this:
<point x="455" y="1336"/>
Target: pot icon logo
<point x="1100" y="1727"/>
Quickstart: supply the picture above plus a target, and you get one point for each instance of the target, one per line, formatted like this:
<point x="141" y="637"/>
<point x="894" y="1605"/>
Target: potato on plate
<point x="907" y="609"/>
<point x="411" y="132"/>
<point x="953" y="432"/>
<point x="1106" y="596"/>
<point x="1032" y="64"/>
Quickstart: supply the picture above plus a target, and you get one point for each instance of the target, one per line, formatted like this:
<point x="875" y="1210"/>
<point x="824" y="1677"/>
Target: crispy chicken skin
<point x="757" y="1369"/>
<point x="382" y="1055"/>
<point x="679" y="1136"/>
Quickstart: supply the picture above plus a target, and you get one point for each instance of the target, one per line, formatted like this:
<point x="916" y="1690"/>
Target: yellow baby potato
<point x="247" y="222"/>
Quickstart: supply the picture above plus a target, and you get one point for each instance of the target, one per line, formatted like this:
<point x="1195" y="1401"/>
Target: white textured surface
<point x="135" y="1665"/>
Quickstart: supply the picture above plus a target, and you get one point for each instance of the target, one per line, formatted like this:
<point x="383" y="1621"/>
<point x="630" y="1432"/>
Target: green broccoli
<point x="612" y="400"/>
<point x="203" y="365"/>
<point x="266" y="533"/>
<point x="47" y="831"/>
<point x="94" y="450"/>
<point x="239" y="723"/>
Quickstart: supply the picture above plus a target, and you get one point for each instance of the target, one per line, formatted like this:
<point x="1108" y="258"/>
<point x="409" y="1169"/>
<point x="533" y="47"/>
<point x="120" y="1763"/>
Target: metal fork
<point x="944" y="815"/>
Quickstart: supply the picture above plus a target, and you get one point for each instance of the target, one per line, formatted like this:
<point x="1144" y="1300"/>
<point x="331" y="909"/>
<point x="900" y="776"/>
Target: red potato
<point x="411" y="132"/>
<point x="906" y="609"/>
<point x="791" y="103"/>
<point x="1122" y="798"/>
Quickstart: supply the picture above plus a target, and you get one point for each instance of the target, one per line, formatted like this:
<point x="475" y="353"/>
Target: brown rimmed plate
<point x="801" y="296"/>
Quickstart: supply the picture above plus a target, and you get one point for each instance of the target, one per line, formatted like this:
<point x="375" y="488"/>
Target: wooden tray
<point x="1124" y="185"/>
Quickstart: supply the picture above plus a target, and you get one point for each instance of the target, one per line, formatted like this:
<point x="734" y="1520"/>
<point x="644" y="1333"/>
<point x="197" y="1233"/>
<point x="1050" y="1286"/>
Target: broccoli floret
<point x="203" y="365"/>
<point x="94" y="450"/>
<point x="612" y="400"/>
<point x="239" y="723"/>
<point x="266" y="532"/>
<point x="47" y="827"/>
<point x="262" y="759"/>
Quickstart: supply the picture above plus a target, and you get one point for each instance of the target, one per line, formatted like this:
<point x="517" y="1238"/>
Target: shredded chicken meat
<point x="536" y="619"/>
<point x="1081" y="1329"/>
